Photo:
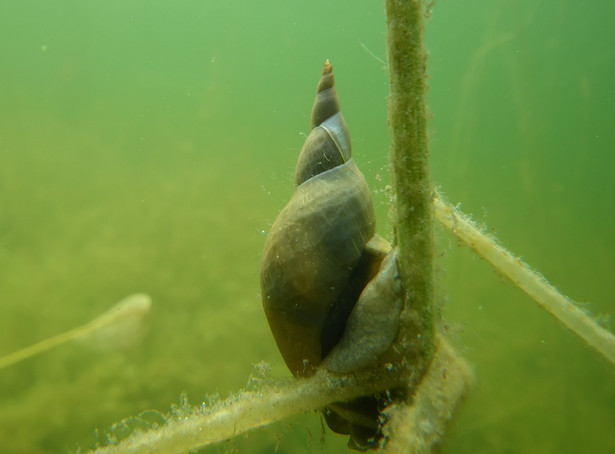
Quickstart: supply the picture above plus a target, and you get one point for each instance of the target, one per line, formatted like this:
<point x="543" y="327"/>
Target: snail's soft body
<point x="330" y="286"/>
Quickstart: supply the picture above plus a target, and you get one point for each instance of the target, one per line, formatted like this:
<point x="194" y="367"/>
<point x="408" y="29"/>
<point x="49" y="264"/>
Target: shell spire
<point x="328" y="144"/>
<point x="326" y="103"/>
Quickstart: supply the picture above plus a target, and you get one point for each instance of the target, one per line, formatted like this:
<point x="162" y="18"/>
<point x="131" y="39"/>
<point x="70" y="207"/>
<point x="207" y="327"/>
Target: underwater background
<point x="147" y="146"/>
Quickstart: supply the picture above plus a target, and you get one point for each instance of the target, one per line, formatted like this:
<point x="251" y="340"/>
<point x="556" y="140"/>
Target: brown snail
<point x="330" y="286"/>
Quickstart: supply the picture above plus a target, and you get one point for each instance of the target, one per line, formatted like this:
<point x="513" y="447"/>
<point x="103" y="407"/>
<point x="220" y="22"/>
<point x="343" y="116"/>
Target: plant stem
<point x="132" y="308"/>
<point x="417" y="428"/>
<point x="192" y="428"/>
<point x="530" y="281"/>
<point x="410" y="174"/>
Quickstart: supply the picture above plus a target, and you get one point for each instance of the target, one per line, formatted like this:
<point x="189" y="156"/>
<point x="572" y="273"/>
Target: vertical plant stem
<point x="410" y="173"/>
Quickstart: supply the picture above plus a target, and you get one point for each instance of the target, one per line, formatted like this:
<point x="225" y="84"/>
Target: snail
<point x="330" y="286"/>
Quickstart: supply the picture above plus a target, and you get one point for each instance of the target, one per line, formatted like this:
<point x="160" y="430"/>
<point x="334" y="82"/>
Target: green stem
<point x="410" y="173"/>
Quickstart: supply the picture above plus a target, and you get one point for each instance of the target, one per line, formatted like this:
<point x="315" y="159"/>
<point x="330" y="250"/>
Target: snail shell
<point x="330" y="287"/>
<point x="315" y="244"/>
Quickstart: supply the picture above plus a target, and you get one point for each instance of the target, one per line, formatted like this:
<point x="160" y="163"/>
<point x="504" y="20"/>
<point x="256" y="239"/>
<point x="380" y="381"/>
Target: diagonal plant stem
<point x="444" y="383"/>
<point x="122" y="321"/>
<point x="528" y="280"/>
<point x="195" y="427"/>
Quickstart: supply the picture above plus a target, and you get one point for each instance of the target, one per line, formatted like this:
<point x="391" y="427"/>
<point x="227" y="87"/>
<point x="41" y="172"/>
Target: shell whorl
<point x="328" y="144"/>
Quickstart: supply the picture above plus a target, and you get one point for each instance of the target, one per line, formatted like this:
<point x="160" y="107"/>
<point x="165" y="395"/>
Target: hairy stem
<point x="410" y="173"/>
<point x="528" y="280"/>
<point x="192" y="428"/>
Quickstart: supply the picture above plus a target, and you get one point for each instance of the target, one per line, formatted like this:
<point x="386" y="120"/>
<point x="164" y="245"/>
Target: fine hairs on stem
<point x="410" y="175"/>
<point x="118" y="327"/>
<point x="528" y="280"/>
<point x="444" y="384"/>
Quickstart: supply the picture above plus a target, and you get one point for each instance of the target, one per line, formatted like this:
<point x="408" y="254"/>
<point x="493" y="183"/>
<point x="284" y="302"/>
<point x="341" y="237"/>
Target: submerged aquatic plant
<point x="144" y="388"/>
<point x="117" y="328"/>
<point x="419" y="424"/>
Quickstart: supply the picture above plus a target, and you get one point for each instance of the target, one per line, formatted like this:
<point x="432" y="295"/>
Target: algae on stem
<point x="445" y="383"/>
<point x="412" y="187"/>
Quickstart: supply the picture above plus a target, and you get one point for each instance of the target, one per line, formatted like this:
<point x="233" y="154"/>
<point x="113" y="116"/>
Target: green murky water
<point x="147" y="146"/>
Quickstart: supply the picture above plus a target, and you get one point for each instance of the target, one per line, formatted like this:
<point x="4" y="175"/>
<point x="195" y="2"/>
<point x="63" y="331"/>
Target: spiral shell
<point x="330" y="287"/>
<point x="314" y="247"/>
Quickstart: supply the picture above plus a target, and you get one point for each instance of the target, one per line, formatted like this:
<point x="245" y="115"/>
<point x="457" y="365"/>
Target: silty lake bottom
<point x="150" y="149"/>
